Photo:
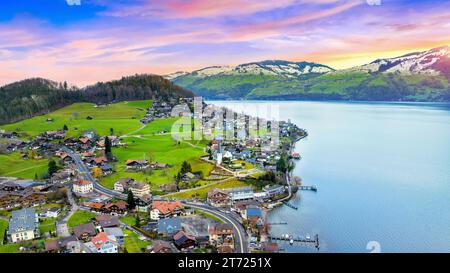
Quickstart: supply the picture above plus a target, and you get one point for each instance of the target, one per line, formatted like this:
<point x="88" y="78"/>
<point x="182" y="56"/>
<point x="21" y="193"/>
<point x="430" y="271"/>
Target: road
<point x="62" y="230"/>
<point x="240" y="237"/>
<point x="86" y="174"/>
<point x="240" y="234"/>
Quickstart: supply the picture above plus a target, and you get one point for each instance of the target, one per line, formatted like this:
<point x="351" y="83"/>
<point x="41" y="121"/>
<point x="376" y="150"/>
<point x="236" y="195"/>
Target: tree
<point x="185" y="167"/>
<point x="137" y="221"/>
<point x="52" y="167"/>
<point x="130" y="200"/>
<point x="65" y="128"/>
<point x="281" y="165"/>
<point x="107" y="146"/>
<point x="97" y="172"/>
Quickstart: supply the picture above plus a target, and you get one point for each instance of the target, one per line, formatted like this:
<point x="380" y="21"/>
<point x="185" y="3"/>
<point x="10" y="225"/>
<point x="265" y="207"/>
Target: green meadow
<point x="202" y="192"/>
<point x="80" y="217"/>
<point x="15" y="166"/>
<point x="3" y="227"/>
<point x="123" y="117"/>
<point x="160" y="148"/>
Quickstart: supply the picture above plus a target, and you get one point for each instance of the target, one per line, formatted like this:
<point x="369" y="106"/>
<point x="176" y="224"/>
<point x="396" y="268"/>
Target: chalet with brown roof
<point x="100" y="160"/>
<point x="85" y="231"/>
<point x="137" y="164"/>
<point x="183" y="240"/>
<point x="219" y="198"/>
<point x="221" y="235"/>
<point x="85" y="140"/>
<point x="117" y="208"/>
<point x="160" y="246"/>
<point x="225" y="249"/>
<point x="59" y="245"/>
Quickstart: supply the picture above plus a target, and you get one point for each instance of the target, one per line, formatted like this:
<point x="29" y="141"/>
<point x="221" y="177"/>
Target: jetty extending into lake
<point x="298" y="239"/>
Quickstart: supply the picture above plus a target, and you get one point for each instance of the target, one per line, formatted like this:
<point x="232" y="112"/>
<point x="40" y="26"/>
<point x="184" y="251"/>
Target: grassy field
<point x="80" y="217"/>
<point x="132" y="242"/>
<point x="202" y="192"/>
<point x="3" y="227"/>
<point x="9" y="248"/>
<point x="14" y="165"/>
<point x="47" y="225"/>
<point x="160" y="148"/>
<point x="123" y="117"/>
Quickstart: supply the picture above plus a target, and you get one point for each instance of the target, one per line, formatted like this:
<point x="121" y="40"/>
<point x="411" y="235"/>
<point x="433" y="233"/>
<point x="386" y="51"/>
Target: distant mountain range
<point x="418" y="76"/>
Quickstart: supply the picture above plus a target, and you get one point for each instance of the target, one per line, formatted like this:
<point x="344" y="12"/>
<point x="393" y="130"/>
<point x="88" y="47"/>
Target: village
<point x="70" y="211"/>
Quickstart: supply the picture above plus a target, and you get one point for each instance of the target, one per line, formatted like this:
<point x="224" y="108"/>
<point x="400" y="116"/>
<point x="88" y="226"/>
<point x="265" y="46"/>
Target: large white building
<point x="23" y="226"/>
<point x="83" y="187"/>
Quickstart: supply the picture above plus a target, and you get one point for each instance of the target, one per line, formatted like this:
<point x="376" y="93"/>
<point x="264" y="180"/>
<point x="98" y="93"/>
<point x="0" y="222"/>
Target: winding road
<point x="241" y="241"/>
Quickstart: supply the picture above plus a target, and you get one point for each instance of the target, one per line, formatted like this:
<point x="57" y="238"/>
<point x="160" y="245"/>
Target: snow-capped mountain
<point x="273" y="67"/>
<point x="174" y="75"/>
<point x="432" y="62"/>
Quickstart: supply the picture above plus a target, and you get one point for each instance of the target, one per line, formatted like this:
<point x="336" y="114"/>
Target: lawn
<point x="202" y="192"/>
<point x="3" y="227"/>
<point x="123" y="117"/>
<point x="80" y="217"/>
<point x="129" y="219"/>
<point x="132" y="242"/>
<point x="14" y="165"/>
<point x="47" y="225"/>
<point x="160" y="148"/>
<point x="9" y="248"/>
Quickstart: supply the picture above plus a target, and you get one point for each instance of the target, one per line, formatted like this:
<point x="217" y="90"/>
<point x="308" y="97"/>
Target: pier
<point x="279" y="223"/>
<point x="299" y="239"/>
<point x="308" y="188"/>
<point x="291" y="206"/>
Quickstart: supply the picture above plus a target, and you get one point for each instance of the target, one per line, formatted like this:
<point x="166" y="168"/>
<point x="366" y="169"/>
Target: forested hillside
<point x="31" y="97"/>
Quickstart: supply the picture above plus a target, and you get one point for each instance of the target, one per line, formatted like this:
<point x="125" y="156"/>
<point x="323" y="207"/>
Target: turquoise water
<point x="382" y="171"/>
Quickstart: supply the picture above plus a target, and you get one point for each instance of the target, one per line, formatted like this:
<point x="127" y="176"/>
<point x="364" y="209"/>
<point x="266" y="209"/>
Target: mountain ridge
<point x="416" y="76"/>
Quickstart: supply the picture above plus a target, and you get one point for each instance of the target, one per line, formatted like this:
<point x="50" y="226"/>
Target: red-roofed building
<point x="103" y="243"/>
<point x="165" y="209"/>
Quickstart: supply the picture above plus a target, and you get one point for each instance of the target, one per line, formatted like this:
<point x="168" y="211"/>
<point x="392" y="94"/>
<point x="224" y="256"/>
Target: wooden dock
<point x="299" y="239"/>
<point x="308" y="188"/>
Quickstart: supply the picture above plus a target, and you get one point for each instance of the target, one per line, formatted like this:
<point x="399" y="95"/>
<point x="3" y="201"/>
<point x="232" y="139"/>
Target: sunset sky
<point x="85" y="41"/>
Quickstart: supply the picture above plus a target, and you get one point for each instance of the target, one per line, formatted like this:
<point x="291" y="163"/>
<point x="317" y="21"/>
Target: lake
<point x="382" y="172"/>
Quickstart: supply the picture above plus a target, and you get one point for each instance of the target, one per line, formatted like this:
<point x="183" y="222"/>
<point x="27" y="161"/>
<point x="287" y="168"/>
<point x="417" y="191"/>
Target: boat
<point x="291" y="241"/>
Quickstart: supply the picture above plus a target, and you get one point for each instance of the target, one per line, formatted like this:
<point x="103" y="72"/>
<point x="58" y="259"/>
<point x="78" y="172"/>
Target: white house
<point x="83" y="187"/>
<point x="50" y="213"/>
<point x="23" y="226"/>
<point x="103" y="243"/>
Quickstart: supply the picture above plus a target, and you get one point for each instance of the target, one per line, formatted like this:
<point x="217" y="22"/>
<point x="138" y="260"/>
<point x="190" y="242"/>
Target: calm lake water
<point x="382" y="172"/>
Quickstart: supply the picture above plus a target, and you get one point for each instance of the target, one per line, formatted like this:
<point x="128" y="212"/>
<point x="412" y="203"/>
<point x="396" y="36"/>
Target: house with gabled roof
<point x="103" y="243"/>
<point x="183" y="240"/>
<point x="23" y="225"/>
<point x="165" y="209"/>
